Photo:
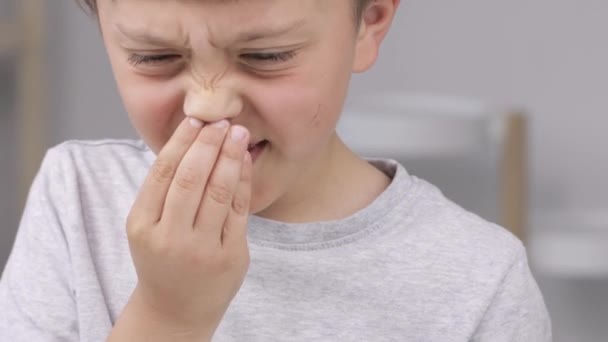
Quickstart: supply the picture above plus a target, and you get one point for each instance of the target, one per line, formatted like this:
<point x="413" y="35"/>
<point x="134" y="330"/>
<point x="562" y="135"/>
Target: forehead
<point x="234" y="5"/>
<point x="221" y="19"/>
<point x="240" y="12"/>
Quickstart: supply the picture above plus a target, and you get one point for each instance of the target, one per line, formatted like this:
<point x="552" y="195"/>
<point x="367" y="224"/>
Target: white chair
<point x="475" y="153"/>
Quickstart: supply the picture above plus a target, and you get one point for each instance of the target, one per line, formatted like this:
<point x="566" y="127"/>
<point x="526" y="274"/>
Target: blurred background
<point x="500" y="103"/>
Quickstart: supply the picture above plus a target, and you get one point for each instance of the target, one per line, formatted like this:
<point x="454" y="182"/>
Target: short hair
<point x="359" y="6"/>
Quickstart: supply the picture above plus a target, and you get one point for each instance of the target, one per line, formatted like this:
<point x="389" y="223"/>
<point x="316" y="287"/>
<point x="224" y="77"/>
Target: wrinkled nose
<point x="212" y="104"/>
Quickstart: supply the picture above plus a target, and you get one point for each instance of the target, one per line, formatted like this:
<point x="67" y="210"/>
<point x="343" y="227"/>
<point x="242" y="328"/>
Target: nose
<point x="210" y="104"/>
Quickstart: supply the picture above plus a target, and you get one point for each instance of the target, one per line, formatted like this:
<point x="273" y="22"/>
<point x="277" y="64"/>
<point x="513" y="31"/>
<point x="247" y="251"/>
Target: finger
<point x="219" y="191"/>
<point x="151" y="196"/>
<point x="235" y="228"/>
<point x="186" y="190"/>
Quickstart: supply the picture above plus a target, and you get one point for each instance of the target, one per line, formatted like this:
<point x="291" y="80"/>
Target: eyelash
<point x="271" y="56"/>
<point x="136" y="59"/>
<point x="277" y="57"/>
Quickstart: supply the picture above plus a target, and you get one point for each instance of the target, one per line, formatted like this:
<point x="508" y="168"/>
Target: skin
<point x="190" y="78"/>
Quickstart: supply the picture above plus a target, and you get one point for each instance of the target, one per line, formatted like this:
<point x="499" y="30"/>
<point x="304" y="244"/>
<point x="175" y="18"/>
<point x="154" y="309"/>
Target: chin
<point x="257" y="207"/>
<point x="259" y="204"/>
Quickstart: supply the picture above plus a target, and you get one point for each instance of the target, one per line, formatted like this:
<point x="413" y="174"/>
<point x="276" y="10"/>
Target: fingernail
<point x="220" y="124"/>
<point x="196" y="123"/>
<point x="238" y="133"/>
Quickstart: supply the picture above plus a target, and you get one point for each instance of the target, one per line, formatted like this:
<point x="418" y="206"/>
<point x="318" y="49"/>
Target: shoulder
<point x="95" y="168"/>
<point x="116" y="149"/>
<point x="482" y="267"/>
<point x="454" y="238"/>
<point x="461" y="230"/>
<point x="89" y="185"/>
<point x="97" y="156"/>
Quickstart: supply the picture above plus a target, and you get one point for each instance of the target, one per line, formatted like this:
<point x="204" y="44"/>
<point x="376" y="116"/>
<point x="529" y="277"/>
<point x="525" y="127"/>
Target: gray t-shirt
<point x="412" y="266"/>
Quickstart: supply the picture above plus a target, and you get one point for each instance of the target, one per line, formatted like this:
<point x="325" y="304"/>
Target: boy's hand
<point x="187" y="229"/>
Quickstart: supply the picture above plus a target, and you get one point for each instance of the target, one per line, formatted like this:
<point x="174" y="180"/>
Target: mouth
<point x="256" y="148"/>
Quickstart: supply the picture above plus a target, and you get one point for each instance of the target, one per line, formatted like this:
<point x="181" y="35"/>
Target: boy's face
<point x="281" y="68"/>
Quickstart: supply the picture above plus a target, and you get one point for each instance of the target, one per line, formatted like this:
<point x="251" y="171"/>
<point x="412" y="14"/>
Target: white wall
<point x="84" y="99"/>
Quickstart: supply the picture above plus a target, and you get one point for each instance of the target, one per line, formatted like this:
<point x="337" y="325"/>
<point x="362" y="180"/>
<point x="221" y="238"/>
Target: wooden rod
<point x="32" y="94"/>
<point x="513" y="176"/>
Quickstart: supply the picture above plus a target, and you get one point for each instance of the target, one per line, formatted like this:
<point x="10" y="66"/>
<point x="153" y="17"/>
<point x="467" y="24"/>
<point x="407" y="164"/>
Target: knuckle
<point x="162" y="171"/>
<point x="135" y="230"/>
<point x="161" y="248"/>
<point x="188" y="179"/>
<point x="164" y="243"/>
<point x="197" y="258"/>
<point x="211" y="138"/>
<point x="182" y="140"/>
<point x="240" y="205"/>
<point x="220" y="192"/>
<point x="232" y="152"/>
<point x="224" y="262"/>
<point x="205" y="260"/>
<point x="246" y="175"/>
<point x="227" y="263"/>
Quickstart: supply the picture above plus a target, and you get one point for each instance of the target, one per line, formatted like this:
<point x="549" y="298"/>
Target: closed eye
<point x="270" y="57"/>
<point x="137" y="59"/>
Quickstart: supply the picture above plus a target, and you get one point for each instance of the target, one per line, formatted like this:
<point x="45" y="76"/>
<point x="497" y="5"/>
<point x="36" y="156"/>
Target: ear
<point x="375" y="22"/>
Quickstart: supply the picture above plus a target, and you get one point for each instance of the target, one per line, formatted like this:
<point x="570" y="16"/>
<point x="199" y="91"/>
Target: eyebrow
<point x="145" y="36"/>
<point x="246" y="36"/>
<point x="270" y="32"/>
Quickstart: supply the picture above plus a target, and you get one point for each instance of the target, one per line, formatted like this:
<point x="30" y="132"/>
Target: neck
<point x="336" y="186"/>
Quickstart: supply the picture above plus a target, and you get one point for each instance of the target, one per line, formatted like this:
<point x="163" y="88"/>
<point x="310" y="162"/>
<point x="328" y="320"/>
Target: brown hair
<point x="359" y="5"/>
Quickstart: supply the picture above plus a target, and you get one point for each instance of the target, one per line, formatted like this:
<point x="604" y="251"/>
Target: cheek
<point x="301" y="112"/>
<point x="298" y="118"/>
<point x="155" y="107"/>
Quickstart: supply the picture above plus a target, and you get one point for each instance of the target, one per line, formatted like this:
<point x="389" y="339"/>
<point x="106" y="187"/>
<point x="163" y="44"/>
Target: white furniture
<point x="474" y="152"/>
<point x="571" y="244"/>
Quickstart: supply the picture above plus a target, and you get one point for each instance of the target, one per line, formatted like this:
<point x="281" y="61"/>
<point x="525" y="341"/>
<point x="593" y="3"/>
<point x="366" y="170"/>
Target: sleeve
<point x="36" y="295"/>
<point x="517" y="311"/>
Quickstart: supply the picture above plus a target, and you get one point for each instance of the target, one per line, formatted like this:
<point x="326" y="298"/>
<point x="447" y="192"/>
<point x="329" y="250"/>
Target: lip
<point x="253" y="143"/>
<point x="256" y="149"/>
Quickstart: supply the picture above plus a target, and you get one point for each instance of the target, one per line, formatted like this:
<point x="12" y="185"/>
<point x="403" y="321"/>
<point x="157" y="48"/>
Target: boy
<point x="247" y="219"/>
